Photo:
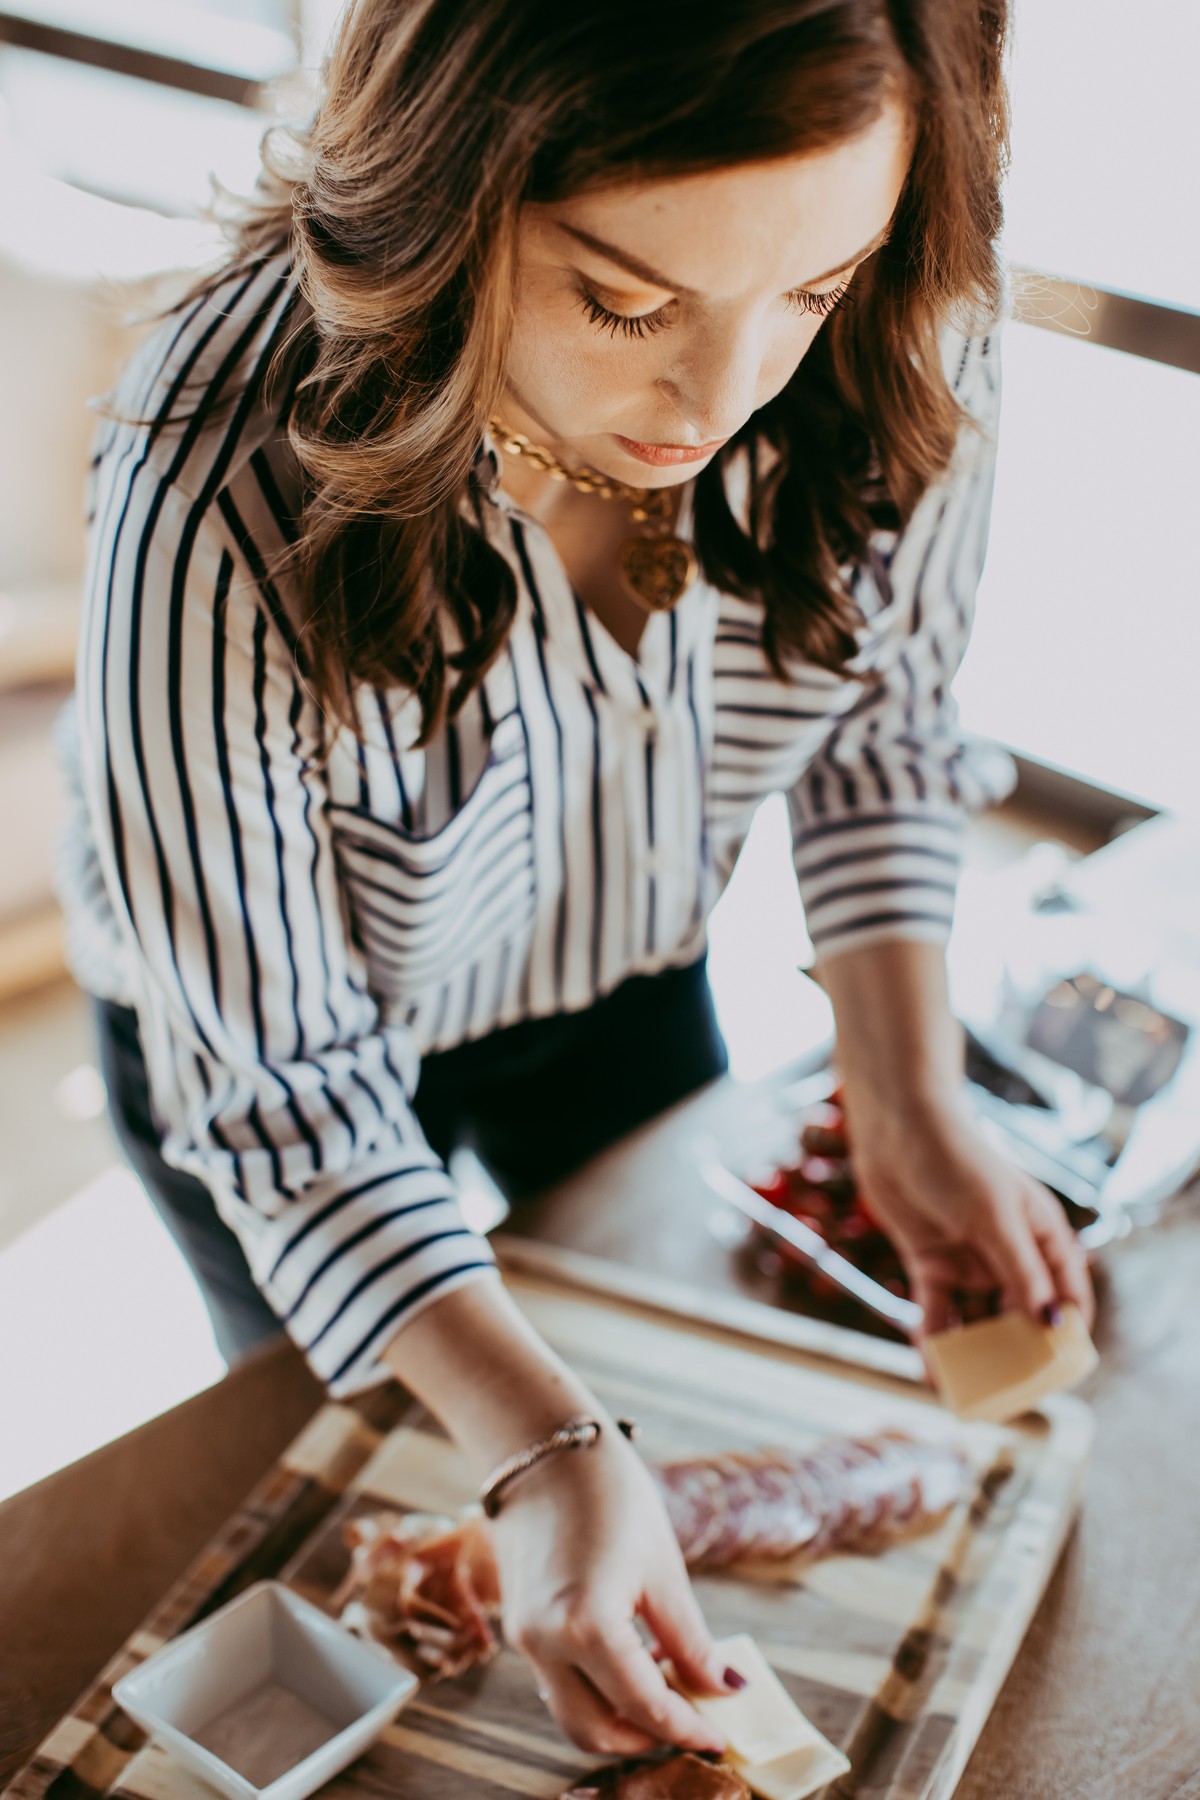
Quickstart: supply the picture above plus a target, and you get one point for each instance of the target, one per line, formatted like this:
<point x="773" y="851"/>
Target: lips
<point x="663" y="456"/>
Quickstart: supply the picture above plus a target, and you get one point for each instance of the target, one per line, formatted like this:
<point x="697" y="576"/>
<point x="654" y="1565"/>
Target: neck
<point x="532" y="489"/>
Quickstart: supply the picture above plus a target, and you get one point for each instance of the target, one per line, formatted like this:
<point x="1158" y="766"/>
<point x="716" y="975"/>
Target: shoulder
<point x="187" y="408"/>
<point x="191" y="465"/>
<point x="971" y="364"/>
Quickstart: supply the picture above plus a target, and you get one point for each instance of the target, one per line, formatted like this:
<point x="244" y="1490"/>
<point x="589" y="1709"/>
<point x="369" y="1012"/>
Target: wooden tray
<point x="896" y="1658"/>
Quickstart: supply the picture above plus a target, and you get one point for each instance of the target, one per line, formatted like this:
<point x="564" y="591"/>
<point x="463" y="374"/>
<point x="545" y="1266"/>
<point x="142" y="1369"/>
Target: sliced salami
<point x="848" y="1494"/>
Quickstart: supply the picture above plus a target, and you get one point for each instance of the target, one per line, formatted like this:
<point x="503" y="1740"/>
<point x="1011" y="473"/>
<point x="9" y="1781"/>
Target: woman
<point x="416" y="752"/>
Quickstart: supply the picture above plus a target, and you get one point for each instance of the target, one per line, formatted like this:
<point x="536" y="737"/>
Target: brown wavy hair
<point x="438" y="120"/>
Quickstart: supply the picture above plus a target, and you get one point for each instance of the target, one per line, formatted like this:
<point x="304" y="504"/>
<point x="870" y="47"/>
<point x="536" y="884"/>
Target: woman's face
<point x="652" y="320"/>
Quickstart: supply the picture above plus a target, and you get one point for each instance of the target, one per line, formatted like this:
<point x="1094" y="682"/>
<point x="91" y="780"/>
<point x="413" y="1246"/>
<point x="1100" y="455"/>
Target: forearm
<point x="475" y="1361"/>
<point x="899" y="1047"/>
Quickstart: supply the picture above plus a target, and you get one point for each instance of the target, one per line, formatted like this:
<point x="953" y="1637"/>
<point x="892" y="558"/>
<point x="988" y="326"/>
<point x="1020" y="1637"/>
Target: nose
<point x="714" y="386"/>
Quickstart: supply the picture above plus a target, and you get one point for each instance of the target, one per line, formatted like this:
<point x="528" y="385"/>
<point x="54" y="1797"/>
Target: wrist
<point x="919" y="1080"/>
<point x="583" y="1444"/>
<point x="887" y="1134"/>
<point x="903" y="1107"/>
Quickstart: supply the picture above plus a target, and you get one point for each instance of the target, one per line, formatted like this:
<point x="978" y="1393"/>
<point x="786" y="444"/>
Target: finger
<point x="940" y="1314"/>
<point x="1012" y="1251"/>
<point x="936" y="1299"/>
<point x="1065" y="1258"/>
<point x="821" y="1141"/>
<point x="682" y="1635"/>
<point x="586" y="1716"/>
<point x="624" y="1673"/>
<point x="978" y="1303"/>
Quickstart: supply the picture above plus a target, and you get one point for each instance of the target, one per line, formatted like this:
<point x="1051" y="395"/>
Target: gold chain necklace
<point x="656" y="566"/>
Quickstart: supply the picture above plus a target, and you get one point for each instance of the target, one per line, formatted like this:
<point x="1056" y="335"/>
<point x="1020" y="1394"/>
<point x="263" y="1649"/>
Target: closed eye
<point x="641" y="325"/>
<point x="631" y="325"/>
<point x="818" y="305"/>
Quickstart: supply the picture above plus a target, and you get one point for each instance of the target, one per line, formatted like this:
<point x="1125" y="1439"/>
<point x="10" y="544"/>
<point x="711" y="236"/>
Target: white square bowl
<point x="268" y="1636"/>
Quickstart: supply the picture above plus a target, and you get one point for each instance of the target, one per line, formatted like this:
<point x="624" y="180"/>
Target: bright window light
<point x="1105" y="183"/>
<point x="1087" y="637"/>
<point x="101" y="1328"/>
<point x="130" y="139"/>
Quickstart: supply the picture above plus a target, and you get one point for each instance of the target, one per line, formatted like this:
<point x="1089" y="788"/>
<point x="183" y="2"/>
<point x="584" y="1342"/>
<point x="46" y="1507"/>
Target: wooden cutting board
<point x="896" y="1658"/>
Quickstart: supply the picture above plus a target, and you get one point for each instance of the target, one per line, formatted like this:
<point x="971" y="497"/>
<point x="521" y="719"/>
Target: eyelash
<point x="644" y="325"/>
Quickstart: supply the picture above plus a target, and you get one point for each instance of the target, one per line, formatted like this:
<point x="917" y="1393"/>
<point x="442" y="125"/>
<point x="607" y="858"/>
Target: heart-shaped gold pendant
<point x="657" y="570"/>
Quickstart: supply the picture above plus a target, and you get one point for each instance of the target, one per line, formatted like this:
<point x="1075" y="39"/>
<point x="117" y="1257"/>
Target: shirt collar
<point x="485" y="468"/>
<point x="561" y="617"/>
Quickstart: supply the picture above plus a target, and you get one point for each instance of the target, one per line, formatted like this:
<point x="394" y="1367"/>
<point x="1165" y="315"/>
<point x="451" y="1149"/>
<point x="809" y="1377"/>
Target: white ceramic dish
<point x="268" y="1698"/>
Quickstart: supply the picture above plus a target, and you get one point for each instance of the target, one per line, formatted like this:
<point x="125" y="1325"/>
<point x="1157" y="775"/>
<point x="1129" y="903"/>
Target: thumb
<point x="933" y="1294"/>
<point x="673" y="1615"/>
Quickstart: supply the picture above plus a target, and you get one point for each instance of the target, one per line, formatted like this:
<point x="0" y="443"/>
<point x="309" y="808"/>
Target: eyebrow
<point x="635" y="266"/>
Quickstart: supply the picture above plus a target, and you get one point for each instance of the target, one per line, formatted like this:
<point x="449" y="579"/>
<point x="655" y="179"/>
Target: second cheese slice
<point x="762" y="1722"/>
<point x="793" y="1776"/>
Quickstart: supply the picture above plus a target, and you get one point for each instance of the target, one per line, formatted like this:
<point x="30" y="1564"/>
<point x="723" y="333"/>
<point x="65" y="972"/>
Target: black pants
<point x="534" y="1101"/>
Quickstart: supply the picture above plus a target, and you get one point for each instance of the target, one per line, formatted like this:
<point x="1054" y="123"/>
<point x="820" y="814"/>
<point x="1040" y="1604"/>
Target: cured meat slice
<point x="849" y="1494"/>
<point x="425" y="1585"/>
<point x="681" y="1777"/>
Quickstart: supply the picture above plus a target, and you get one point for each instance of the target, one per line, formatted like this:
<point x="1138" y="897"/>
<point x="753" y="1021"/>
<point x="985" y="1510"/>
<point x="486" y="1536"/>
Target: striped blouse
<point x="297" y="915"/>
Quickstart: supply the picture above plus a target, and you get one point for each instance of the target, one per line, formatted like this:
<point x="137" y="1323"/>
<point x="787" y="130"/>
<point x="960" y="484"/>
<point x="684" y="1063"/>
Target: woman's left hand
<point x="974" y="1232"/>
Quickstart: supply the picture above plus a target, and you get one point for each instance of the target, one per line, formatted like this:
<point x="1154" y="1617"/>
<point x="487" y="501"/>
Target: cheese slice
<point x="998" y="1368"/>
<point x="792" y="1777"/>
<point x="761" y="1722"/>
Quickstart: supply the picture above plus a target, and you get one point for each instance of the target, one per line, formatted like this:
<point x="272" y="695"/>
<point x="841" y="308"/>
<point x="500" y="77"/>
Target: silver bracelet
<point x="575" y="1434"/>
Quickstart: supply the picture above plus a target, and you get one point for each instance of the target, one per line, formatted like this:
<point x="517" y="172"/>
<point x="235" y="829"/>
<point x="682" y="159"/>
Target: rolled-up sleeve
<point x="877" y="816"/>
<point x="274" y="1077"/>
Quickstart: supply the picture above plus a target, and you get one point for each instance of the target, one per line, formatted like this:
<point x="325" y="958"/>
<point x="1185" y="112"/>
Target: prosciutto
<point x="680" y="1777"/>
<point x="424" y="1585"/>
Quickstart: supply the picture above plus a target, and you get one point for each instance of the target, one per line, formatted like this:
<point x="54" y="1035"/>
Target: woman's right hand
<point x="585" y="1548"/>
<point x="583" y="1542"/>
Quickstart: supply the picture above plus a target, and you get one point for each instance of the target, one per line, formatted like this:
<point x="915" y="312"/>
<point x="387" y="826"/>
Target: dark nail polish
<point x="1052" y="1313"/>
<point x="733" y="1680"/>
